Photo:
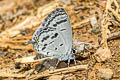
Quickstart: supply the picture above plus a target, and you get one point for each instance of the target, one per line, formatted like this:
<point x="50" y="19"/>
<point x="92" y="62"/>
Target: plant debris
<point x="96" y="38"/>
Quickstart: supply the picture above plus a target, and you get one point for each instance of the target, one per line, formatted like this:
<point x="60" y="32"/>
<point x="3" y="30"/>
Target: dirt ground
<point x="94" y="22"/>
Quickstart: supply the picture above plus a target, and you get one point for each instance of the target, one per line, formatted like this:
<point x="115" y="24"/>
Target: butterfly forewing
<point x="54" y="36"/>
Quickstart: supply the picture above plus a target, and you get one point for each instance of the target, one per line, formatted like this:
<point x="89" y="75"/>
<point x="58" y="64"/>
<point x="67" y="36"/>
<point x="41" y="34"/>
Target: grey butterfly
<point x="54" y="36"/>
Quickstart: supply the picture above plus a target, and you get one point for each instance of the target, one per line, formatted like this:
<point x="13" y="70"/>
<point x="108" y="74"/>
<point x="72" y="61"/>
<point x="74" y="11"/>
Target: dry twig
<point x="59" y="71"/>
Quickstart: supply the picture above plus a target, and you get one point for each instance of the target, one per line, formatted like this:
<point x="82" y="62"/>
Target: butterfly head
<point x="32" y="42"/>
<point x="74" y="50"/>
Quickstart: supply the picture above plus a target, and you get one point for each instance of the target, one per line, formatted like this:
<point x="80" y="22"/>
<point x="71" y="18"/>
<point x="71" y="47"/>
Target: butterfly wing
<point x="54" y="36"/>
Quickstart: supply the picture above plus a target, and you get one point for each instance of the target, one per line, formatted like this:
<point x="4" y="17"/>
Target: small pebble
<point x="106" y="73"/>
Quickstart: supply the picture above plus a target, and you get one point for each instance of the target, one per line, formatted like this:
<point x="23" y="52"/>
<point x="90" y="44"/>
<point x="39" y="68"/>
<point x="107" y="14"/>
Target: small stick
<point x="114" y="35"/>
<point x="58" y="71"/>
<point x="115" y="14"/>
<point x="30" y="59"/>
<point x="9" y="73"/>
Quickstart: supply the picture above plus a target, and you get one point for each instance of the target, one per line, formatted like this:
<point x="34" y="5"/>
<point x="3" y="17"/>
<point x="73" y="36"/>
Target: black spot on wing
<point x="54" y="36"/>
<point x="62" y="29"/>
<point x="48" y="53"/>
<point x="45" y="30"/>
<point x="55" y="48"/>
<point x="51" y="42"/>
<point x="61" y="44"/>
<point x="45" y="38"/>
<point x="60" y="10"/>
<point x="45" y="44"/>
<point x="54" y="25"/>
<point x="61" y="21"/>
<point x="43" y="48"/>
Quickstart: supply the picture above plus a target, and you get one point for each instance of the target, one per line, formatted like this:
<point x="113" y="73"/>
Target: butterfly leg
<point x="68" y="63"/>
<point x="39" y="56"/>
<point x="57" y="64"/>
<point x="74" y="61"/>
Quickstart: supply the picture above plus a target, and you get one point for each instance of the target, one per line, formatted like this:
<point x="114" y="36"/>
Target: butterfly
<point x="53" y="38"/>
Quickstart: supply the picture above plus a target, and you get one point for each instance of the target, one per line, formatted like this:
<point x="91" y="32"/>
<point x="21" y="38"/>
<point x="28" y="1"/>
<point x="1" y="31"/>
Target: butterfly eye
<point x="74" y="50"/>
